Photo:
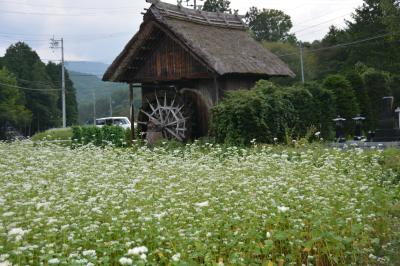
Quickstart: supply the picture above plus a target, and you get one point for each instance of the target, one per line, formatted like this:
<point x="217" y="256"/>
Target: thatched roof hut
<point x="220" y="41"/>
<point x="196" y="52"/>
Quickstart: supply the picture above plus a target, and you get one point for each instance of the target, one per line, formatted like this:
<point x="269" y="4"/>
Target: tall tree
<point x="41" y="98"/>
<point x="346" y="101"/>
<point x="217" y="6"/>
<point x="12" y="109"/>
<point x="270" y="24"/>
<point x="54" y="72"/>
<point x="376" y="22"/>
<point x="331" y="61"/>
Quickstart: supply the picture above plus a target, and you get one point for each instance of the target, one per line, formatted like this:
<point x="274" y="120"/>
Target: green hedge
<point x="104" y="136"/>
<point x="261" y="113"/>
<point x="270" y="113"/>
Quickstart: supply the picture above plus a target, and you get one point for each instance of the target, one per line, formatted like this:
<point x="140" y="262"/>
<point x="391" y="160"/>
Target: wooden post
<point x="216" y="87"/>
<point x="131" y="111"/>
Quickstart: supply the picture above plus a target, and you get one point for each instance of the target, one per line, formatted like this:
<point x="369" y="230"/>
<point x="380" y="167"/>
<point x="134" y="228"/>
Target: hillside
<point x="87" y="84"/>
<point x="90" y="87"/>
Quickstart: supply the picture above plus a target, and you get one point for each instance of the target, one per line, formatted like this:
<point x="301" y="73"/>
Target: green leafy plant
<point x="104" y="136"/>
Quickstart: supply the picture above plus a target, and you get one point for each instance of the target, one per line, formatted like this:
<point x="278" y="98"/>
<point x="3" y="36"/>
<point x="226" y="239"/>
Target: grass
<point x="196" y="205"/>
<point x="58" y="134"/>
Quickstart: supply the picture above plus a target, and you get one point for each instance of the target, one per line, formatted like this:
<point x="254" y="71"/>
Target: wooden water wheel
<point x="166" y="115"/>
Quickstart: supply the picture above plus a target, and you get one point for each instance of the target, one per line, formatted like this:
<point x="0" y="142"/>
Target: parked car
<point x="115" y="121"/>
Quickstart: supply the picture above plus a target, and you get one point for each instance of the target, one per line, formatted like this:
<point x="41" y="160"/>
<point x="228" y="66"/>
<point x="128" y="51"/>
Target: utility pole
<point x="302" y="62"/>
<point x="194" y="3"/>
<point x="55" y="44"/>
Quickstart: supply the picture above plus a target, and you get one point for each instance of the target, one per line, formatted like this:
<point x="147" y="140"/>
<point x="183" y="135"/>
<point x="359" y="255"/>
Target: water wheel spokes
<point x="167" y="117"/>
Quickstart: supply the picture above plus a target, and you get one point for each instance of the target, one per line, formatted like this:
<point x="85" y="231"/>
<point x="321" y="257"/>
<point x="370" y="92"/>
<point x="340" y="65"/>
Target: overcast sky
<point x="97" y="30"/>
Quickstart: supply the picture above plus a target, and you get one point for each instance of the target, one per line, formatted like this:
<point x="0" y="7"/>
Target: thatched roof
<point x="221" y="41"/>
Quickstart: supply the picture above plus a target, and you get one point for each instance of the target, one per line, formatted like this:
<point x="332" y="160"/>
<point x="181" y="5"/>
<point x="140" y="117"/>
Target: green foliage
<point x="63" y="134"/>
<point x="54" y="72"/>
<point x="12" y="109"/>
<point x="217" y="6"/>
<point x="373" y="18"/>
<point x="358" y="85"/>
<point x="42" y="97"/>
<point x="86" y="84"/>
<point x="104" y="136"/>
<point x="290" y="55"/>
<point x="261" y="113"/>
<point x="270" y="25"/>
<point x="315" y="107"/>
<point x="346" y="101"/>
<point x="268" y="111"/>
<point x="377" y="87"/>
<point x="395" y="88"/>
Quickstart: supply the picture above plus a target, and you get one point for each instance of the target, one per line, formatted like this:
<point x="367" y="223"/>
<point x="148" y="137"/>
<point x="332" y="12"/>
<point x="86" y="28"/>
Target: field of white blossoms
<point x="198" y="205"/>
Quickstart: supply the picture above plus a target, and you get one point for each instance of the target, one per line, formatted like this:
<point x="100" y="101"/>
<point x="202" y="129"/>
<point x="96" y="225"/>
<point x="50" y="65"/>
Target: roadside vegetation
<point x="57" y="134"/>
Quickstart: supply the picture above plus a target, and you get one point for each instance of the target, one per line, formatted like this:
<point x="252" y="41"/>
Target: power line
<point x="59" y="14"/>
<point x="69" y="7"/>
<point x="29" y="89"/>
<point x="342" y="44"/>
<point x="37" y="82"/>
<point x="322" y="23"/>
<point x="323" y="15"/>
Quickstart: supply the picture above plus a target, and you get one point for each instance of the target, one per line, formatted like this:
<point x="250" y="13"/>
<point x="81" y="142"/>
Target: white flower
<point x="17" y="233"/>
<point x="283" y="209"/>
<point x="202" y="204"/>
<point x="143" y="256"/>
<point x="176" y="257"/>
<point x="125" y="261"/>
<point x="275" y="139"/>
<point x="5" y="263"/>
<point x="54" y="261"/>
<point x="137" y="250"/>
<point x="89" y="253"/>
<point x="317" y="134"/>
<point x="268" y="235"/>
<point x="8" y="214"/>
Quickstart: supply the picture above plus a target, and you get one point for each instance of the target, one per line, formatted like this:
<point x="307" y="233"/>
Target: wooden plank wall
<point x="169" y="62"/>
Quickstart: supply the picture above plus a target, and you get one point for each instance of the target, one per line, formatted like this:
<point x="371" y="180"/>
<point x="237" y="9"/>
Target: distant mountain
<point x="88" y="67"/>
<point x="111" y="98"/>
<point x="87" y="84"/>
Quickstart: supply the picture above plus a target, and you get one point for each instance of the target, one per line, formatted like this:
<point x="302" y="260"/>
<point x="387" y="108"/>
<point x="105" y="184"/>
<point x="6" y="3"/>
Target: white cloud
<point x="93" y="32"/>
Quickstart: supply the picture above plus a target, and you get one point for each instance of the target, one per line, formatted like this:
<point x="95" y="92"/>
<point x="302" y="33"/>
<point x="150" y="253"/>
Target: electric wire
<point x="25" y="88"/>
<point x="341" y="44"/>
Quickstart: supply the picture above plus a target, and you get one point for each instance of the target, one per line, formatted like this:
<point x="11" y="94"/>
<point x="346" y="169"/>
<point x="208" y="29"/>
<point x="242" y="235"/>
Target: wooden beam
<point x="131" y="111"/>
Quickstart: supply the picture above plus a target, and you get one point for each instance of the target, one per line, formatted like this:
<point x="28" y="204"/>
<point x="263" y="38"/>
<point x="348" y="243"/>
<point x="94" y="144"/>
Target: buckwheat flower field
<point x="198" y="205"/>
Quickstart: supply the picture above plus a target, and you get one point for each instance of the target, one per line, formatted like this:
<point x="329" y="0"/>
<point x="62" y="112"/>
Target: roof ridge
<point x="166" y="10"/>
